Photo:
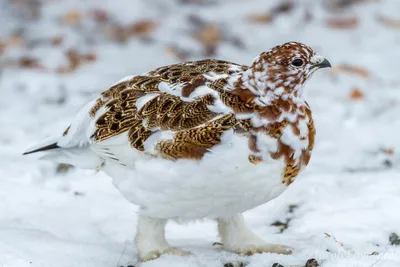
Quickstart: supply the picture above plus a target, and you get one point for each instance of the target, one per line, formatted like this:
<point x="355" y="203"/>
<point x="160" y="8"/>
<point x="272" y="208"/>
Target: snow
<point x="350" y="190"/>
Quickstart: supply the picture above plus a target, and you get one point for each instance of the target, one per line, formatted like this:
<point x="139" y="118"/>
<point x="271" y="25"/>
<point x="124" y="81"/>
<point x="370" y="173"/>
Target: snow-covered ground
<point x="347" y="201"/>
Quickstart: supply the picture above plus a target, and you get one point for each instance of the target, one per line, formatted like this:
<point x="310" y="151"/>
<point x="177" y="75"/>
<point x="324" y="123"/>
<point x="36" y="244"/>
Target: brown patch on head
<point x="283" y="55"/>
<point x="285" y="66"/>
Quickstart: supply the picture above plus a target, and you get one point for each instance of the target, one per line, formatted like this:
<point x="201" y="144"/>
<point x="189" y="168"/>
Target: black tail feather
<point x="49" y="147"/>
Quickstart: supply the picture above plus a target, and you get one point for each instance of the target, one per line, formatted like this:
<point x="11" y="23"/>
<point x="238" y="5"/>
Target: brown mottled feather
<point x="164" y="112"/>
<point x="196" y="128"/>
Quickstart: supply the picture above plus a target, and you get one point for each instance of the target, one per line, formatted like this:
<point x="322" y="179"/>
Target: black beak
<point x="324" y="64"/>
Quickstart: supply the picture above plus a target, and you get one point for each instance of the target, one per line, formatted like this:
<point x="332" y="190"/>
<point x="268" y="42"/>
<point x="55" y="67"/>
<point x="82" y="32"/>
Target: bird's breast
<point x="288" y="139"/>
<point x="225" y="181"/>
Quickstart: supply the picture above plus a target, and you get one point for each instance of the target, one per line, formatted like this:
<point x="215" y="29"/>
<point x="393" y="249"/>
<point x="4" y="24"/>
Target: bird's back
<point x="173" y="112"/>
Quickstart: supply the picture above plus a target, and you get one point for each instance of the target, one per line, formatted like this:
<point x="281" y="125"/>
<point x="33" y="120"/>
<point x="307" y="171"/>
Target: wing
<point x="173" y="112"/>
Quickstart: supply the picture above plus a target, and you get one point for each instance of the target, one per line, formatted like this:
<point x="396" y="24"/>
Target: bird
<point x="207" y="139"/>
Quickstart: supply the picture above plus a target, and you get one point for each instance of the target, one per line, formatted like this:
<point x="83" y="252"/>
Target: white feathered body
<point x="224" y="182"/>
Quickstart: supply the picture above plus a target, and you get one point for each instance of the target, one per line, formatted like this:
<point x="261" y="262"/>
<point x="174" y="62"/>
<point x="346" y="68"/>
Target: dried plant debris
<point x="292" y="208"/>
<point x="116" y="32"/>
<point x="199" y="2"/>
<point x="78" y="194"/>
<point x="63" y="168"/>
<point x="3" y="47"/>
<point x="235" y="264"/>
<point x="312" y="263"/>
<point x="15" y="40"/>
<point x="28" y="9"/>
<point x="309" y="263"/>
<point x="388" y="151"/>
<point x="24" y="62"/>
<point x="113" y="30"/>
<point x="350" y="69"/>
<point x="283" y="225"/>
<point x="384" y="158"/>
<point x="394" y="239"/>
<point x="283" y="7"/>
<point x="260" y="18"/>
<point x="75" y="59"/>
<point x="339" y="5"/>
<point x="141" y="29"/>
<point x="385" y="164"/>
<point x="56" y="40"/>
<point x="100" y="15"/>
<point x="390" y="22"/>
<point x="211" y="34"/>
<point x="72" y="17"/>
<point x="343" y="23"/>
<point x="30" y="63"/>
<point x="268" y="16"/>
<point x="332" y="238"/>
<point x="18" y="40"/>
<point x="356" y="94"/>
<point x="178" y="52"/>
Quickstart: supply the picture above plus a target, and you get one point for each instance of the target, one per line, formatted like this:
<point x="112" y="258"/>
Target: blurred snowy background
<point x="55" y="55"/>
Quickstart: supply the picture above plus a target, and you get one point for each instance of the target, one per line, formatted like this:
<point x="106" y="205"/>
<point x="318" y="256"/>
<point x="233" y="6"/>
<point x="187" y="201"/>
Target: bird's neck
<point x="262" y="89"/>
<point x="269" y="85"/>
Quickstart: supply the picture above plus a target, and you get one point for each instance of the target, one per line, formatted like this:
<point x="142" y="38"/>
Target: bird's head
<point x="285" y="68"/>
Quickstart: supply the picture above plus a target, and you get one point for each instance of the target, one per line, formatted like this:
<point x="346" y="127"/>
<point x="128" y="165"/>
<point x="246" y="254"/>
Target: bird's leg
<point x="150" y="239"/>
<point x="237" y="237"/>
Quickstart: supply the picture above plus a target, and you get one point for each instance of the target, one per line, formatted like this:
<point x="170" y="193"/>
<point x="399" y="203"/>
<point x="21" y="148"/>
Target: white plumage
<point x="207" y="139"/>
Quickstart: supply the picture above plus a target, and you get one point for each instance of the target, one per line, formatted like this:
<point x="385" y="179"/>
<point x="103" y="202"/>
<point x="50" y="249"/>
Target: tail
<point x="49" y="147"/>
<point x="47" y="144"/>
<point x="73" y="146"/>
<point x="81" y="157"/>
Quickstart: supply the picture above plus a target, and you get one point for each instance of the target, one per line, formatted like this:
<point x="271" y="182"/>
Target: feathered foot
<point x="237" y="237"/>
<point x="150" y="239"/>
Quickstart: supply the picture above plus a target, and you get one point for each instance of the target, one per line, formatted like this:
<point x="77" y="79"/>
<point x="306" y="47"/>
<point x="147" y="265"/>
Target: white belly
<point x="223" y="183"/>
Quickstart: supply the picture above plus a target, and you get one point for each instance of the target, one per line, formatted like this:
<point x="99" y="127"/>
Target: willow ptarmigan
<point x="201" y="139"/>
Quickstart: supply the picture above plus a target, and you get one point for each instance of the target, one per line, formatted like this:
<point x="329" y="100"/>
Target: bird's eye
<point x="297" y="62"/>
